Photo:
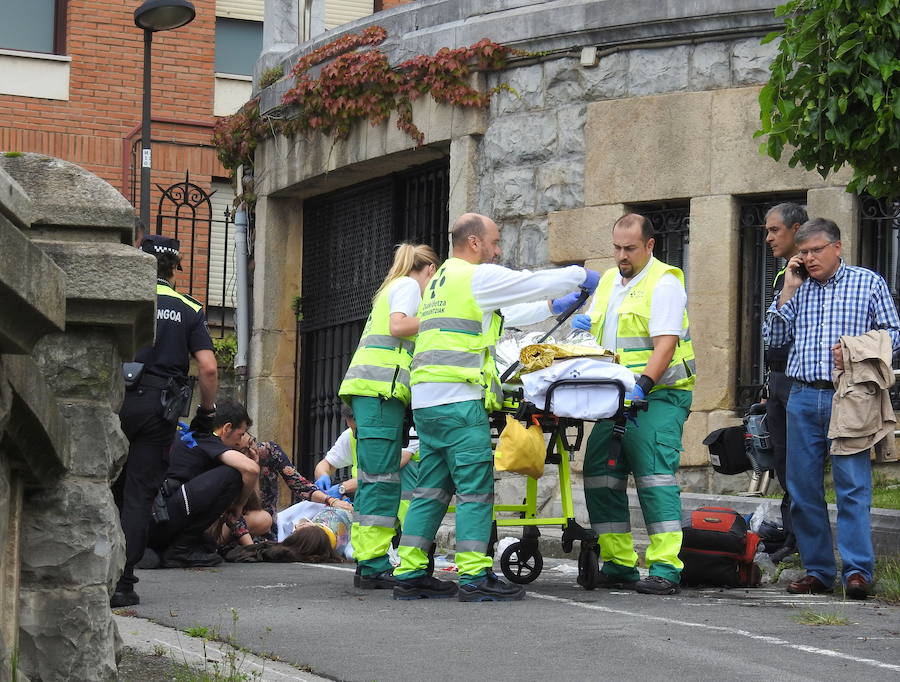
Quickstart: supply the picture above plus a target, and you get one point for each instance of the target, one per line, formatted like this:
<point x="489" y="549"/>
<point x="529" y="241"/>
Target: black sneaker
<point x="781" y="554"/>
<point x="655" y="584"/>
<point x="379" y="581"/>
<point x="612" y="583"/>
<point x="490" y="588"/>
<point x="124" y="598"/>
<point x="182" y="556"/>
<point x="424" y="587"/>
<point x="149" y="560"/>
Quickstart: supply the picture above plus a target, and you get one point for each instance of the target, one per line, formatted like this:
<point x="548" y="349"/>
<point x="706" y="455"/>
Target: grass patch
<point x="824" y="618"/>
<point x="200" y="631"/>
<point x="887" y="579"/>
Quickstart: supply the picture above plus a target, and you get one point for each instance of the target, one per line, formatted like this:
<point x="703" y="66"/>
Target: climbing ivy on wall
<point x="834" y="93"/>
<point x="359" y="85"/>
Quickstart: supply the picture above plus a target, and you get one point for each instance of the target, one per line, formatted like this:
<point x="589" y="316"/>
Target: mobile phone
<point x="801" y="271"/>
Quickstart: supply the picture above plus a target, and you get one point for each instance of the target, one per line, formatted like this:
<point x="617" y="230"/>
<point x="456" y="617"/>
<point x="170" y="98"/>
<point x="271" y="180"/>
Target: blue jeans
<point x="808" y="414"/>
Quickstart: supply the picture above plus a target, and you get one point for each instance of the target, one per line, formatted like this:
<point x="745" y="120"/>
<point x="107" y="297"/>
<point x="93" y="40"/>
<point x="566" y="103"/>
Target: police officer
<point x="639" y="309"/>
<point x="782" y="223"/>
<point x="149" y="424"/>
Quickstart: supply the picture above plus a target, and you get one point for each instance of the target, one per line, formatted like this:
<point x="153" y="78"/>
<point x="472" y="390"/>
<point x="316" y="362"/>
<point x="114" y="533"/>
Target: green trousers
<point x="379" y="429"/>
<point x="455" y="456"/>
<point x="409" y="476"/>
<point x="651" y="451"/>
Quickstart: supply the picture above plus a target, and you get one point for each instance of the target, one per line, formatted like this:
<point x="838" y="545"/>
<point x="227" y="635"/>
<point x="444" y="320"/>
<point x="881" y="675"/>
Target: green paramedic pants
<point x="651" y="451"/>
<point x="379" y="429"/>
<point x="454" y="455"/>
<point x="409" y="475"/>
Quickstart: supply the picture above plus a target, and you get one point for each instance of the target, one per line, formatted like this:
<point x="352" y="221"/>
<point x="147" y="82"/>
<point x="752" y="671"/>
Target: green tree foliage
<point x="834" y="93"/>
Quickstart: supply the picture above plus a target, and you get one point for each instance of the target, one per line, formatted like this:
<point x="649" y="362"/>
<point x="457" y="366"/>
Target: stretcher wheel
<point x="519" y="568"/>
<point x="589" y="564"/>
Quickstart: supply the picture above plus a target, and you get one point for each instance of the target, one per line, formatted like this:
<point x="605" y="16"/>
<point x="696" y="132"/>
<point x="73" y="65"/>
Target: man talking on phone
<point x="812" y="314"/>
<point x="782" y="223"/>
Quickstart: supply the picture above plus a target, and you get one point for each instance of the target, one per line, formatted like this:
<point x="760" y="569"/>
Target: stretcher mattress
<point x="578" y="402"/>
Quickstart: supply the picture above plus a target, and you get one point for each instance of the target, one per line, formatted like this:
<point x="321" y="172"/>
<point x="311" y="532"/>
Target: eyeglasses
<point x="813" y="252"/>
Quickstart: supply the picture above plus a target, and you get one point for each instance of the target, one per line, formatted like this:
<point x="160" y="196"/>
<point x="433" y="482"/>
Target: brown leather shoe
<point x="857" y="587"/>
<point x="808" y="584"/>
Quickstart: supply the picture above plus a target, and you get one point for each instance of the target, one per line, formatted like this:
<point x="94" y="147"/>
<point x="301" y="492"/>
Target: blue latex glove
<point x="582" y="322"/>
<point x="187" y="437"/>
<point x="637" y="393"/>
<point x="323" y="482"/>
<point x="334" y="491"/>
<point x="561" y="305"/>
<point x="591" y="280"/>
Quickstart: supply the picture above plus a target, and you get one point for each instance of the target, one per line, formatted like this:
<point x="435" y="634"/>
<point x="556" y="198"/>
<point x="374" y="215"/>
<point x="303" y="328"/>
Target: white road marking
<point x="718" y="628"/>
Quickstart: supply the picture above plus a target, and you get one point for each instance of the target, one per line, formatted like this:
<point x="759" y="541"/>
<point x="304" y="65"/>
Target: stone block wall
<point x="82" y="299"/>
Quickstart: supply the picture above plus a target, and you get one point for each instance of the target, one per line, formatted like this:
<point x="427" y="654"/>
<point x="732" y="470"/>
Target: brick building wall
<point x="98" y="127"/>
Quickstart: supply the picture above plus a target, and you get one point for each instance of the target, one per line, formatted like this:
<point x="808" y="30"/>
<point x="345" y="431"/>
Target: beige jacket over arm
<point x="861" y="411"/>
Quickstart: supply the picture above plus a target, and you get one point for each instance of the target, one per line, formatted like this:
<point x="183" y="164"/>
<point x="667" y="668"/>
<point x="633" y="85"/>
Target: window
<point x="758" y="270"/>
<point x="33" y="26"/>
<point x="671" y="227"/>
<point x="238" y="45"/>
<point x="879" y="250"/>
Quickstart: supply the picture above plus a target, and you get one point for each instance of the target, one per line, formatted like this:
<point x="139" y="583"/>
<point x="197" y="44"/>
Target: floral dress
<point x="273" y="463"/>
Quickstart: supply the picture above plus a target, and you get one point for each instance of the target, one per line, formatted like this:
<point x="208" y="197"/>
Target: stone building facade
<point x="77" y="298"/>
<point x="620" y="105"/>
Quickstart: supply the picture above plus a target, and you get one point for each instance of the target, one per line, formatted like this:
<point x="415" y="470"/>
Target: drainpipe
<point x="242" y="305"/>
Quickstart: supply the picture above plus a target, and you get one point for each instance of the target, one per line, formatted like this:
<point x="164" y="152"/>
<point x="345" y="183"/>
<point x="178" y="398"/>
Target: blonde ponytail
<point x="408" y="258"/>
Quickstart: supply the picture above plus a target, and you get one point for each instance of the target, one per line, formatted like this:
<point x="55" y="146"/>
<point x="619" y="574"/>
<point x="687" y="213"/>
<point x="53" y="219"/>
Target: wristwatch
<point x="341" y="489"/>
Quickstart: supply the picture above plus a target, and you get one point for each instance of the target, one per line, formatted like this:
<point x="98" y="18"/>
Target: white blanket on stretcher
<point x="578" y="402"/>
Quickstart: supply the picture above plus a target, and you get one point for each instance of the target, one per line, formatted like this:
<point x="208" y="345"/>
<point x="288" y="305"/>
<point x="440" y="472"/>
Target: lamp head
<point x="164" y="15"/>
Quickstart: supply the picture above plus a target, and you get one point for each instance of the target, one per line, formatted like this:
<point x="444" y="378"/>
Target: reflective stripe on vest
<point x="380" y="365"/>
<point x="452" y="346"/>
<point x="633" y="341"/>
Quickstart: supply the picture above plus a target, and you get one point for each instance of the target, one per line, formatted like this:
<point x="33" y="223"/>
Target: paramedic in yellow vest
<point x="376" y="387"/>
<point x="455" y="386"/>
<point x="639" y="309"/>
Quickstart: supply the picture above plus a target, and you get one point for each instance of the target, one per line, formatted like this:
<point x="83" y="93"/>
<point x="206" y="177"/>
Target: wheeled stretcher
<point x="521" y="562"/>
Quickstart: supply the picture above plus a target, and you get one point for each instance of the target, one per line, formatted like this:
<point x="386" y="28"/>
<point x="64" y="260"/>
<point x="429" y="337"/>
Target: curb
<point x="156" y="640"/>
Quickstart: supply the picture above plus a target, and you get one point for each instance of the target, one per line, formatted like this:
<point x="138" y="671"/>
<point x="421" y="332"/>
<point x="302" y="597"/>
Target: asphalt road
<point x="312" y="616"/>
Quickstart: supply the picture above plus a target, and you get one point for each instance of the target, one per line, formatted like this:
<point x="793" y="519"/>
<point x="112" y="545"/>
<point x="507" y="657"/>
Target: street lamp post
<point x="153" y="16"/>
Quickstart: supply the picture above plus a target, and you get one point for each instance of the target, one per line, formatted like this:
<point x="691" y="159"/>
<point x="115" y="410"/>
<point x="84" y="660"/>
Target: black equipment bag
<point x="718" y="550"/>
<point x="728" y="450"/>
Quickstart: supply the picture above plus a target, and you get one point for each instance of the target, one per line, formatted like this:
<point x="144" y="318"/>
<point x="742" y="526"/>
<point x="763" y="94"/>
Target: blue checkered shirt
<point x="854" y="301"/>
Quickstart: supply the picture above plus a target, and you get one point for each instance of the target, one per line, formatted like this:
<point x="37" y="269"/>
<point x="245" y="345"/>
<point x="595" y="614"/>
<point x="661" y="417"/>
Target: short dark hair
<point x="231" y="412"/>
<point x="790" y="213"/>
<point x="818" y="226"/>
<point x="346" y="411"/>
<point x="465" y="226"/>
<point x="631" y="219"/>
<point x="166" y="264"/>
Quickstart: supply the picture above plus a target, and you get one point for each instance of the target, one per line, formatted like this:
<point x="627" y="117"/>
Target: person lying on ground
<point x="311" y="543"/>
<point x="260" y="512"/>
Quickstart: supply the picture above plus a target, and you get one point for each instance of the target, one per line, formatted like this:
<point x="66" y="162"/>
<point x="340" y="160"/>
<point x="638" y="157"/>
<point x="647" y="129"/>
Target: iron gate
<point x="349" y="238"/>
<point x="758" y="270"/>
<point x="671" y="231"/>
<point x="185" y="213"/>
<point x="879" y="229"/>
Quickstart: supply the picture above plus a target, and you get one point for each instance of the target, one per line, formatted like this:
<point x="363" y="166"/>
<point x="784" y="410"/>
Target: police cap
<point x="155" y="244"/>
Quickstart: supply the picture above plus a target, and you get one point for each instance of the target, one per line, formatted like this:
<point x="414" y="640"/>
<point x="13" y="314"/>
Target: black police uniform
<point x="199" y="488"/>
<point x="779" y="388"/>
<point x="180" y="331"/>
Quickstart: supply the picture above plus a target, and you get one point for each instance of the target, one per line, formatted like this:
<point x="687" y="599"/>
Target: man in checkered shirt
<point x="822" y="300"/>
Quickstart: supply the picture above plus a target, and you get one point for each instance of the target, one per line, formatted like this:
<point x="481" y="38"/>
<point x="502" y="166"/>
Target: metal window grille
<point x="879" y="227"/>
<point x="671" y="226"/>
<point x="758" y="270"/>
<point x="349" y="238"/>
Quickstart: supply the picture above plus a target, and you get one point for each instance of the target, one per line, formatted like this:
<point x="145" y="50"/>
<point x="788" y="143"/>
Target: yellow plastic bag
<point x="541" y="355"/>
<point x="520" y="450"/>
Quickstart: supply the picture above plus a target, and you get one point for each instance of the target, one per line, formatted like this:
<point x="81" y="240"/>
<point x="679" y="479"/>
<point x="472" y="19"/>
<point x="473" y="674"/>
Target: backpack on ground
<point x="718" y="550"/>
